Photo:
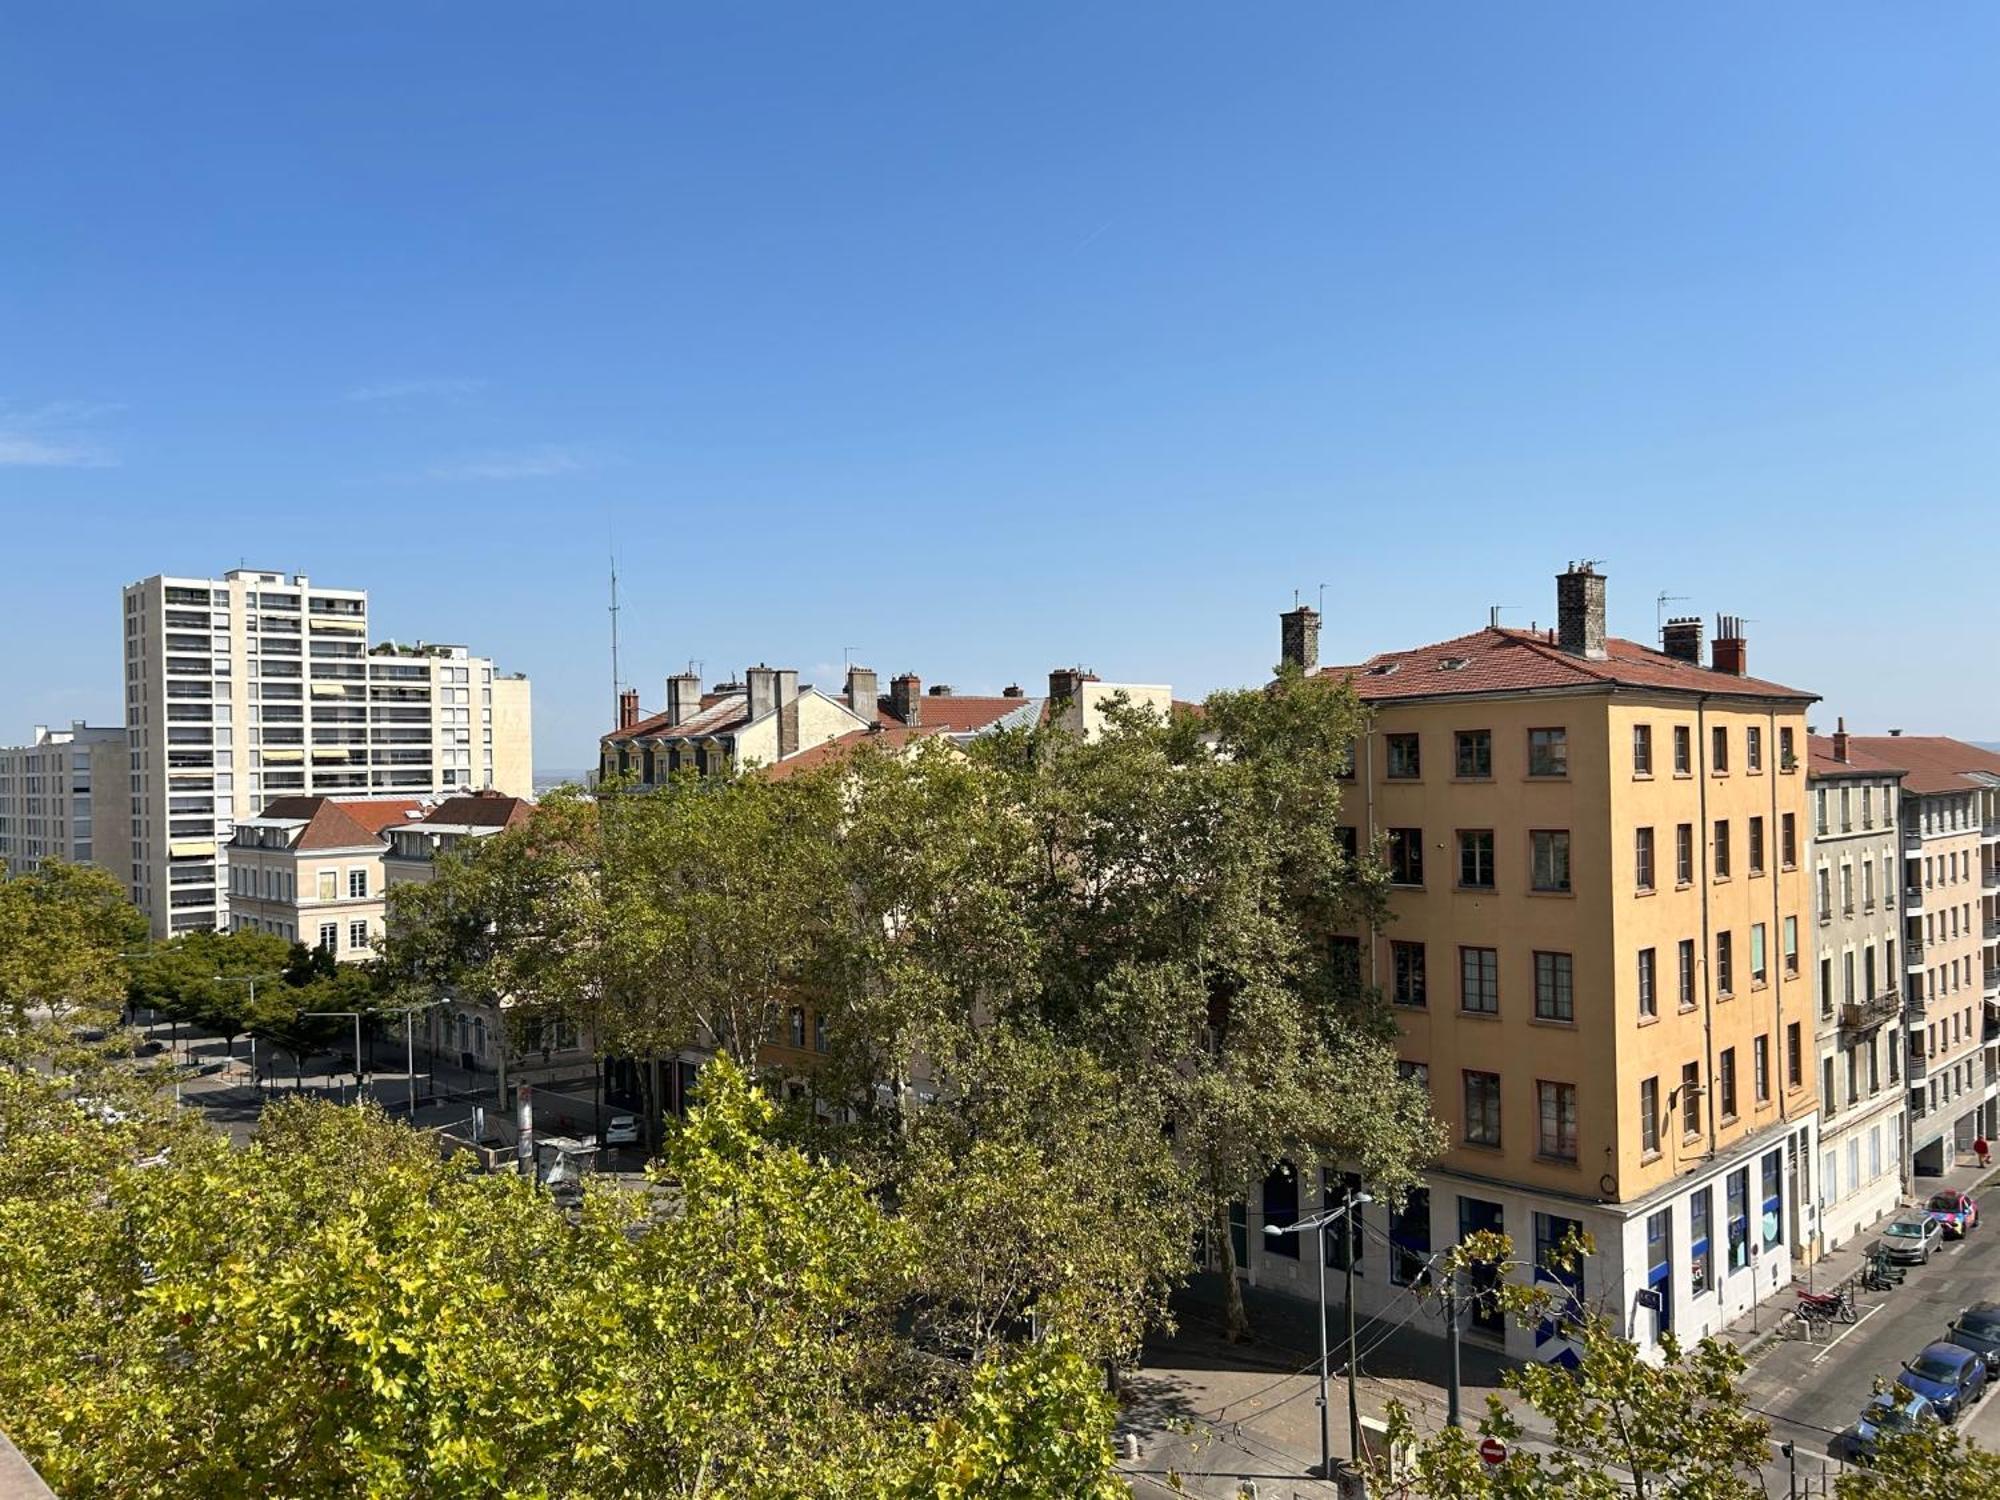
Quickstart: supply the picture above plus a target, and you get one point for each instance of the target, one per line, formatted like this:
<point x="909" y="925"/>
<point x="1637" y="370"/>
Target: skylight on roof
<point x="1386" y="669"/>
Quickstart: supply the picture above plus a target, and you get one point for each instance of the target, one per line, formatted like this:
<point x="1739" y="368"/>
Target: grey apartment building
<point x="1856" y="863"/>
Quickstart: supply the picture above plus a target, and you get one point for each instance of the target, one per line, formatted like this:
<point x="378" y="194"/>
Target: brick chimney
<point x="863" y="696"/>
<point x="1731" y="652"/>
<point x="1067" y="682"/>
<point x="1298" y="638"/>
<point x="683" y="697"/>
<point x="1840" y="738"/>
<point x="1681" y="639"/>
<point x="628" y="708"/>
<point x="906" y="698"/>
<point x="1580" y="611"/>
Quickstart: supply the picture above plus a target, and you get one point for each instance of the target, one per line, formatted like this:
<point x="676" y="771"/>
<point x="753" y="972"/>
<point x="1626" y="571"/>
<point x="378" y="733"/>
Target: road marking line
<point x="1854" y="1328"/>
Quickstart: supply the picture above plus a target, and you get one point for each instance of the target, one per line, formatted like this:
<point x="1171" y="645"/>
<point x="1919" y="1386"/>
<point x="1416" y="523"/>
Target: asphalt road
<point x="1811" y="1391"/>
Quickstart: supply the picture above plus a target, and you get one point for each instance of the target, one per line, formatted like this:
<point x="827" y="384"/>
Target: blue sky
<point x="986" y="338"/>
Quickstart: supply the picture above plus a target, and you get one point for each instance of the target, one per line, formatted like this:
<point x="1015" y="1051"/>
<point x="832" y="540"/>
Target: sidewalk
<point x="1757" y="1329"/>
<point x="1214" y="1414"/>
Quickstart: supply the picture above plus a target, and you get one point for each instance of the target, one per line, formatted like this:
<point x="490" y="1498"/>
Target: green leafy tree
<point x="64" y="932"/>
<point x="226" y="982"/>
<point x="1188" y="883"/>
<point x="723" y="905"/>
<point x="1931" y="1463"/>
<point x="336" y="1310"/>
<point x="1040" y="1194"/>
<point x="1036" y="1424"/>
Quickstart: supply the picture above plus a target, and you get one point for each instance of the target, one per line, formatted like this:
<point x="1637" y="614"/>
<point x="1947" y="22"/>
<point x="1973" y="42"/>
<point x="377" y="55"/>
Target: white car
<point x="622" y="1130"/>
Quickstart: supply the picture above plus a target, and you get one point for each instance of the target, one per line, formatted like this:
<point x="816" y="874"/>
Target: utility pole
<point x="1325" y="1434"/>
<point x="1353" y="1398"/>
<point x="616" y="681"/>
<point x="1341" y="1214"/>
<point x="1453" y="1417"/>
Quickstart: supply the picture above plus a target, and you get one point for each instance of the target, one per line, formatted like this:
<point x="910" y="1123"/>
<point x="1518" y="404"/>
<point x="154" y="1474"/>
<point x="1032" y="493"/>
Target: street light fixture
<point x="1350" y="1201"/>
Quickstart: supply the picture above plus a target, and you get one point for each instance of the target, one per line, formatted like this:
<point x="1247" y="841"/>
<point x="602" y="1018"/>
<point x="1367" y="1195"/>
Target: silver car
<point x="1911" y="1239"/>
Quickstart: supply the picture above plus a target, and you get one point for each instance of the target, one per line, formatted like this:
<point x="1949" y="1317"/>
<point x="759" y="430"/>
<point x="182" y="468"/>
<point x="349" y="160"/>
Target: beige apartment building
<point x="259" y="685"/>
<point x="1949" y="823"/>
<point x="62" y="797"/>
<point x="310" y="870"/>
<point x="1857" y="929"/>
<point x="1595" y="959"/>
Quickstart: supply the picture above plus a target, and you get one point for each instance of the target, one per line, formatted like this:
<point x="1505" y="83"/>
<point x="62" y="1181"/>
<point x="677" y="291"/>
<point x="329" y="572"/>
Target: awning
<point x="330" y="752"/>
<point x="333" y="689"/>
<point x="330" y="622"/>
<point x="192" y="848"/>
<point x="284" y="755"/>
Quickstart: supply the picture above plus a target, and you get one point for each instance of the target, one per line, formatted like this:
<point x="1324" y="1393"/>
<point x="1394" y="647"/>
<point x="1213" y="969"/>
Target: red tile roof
<point x="954" y="713"/>
<point x="1930" y="762"/>
<point x="1494" y="660"/>
<point x="342" y="822"/>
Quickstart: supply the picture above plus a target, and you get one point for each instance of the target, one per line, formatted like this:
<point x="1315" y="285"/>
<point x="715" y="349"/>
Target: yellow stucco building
<point x="1594" y="955"/>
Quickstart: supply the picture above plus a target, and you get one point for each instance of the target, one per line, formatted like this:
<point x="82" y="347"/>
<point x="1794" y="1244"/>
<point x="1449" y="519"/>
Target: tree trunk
<point x="1237" y="1320"/>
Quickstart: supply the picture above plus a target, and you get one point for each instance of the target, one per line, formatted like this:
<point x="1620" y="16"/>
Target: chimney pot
<point x="1580" y="611"/>
<point x="906" y="694"/>
<point x="1840" y="738"/>
<point x="628" y="708"/>
<point x="940" y="690"/>
<point x="1298" y="638"/>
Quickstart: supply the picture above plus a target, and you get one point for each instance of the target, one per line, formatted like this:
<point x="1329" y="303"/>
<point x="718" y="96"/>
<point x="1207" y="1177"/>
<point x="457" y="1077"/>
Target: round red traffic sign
<point x="1492" y="1450"/>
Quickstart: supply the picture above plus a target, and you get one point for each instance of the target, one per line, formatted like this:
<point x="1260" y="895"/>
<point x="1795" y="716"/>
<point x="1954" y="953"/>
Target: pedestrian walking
<point x="1982" y="1150"/>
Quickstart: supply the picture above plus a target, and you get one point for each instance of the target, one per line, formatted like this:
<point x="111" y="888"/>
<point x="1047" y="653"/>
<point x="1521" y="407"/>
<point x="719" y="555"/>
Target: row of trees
<point x="1071" y="999"/>
<point x="256" y="984"/>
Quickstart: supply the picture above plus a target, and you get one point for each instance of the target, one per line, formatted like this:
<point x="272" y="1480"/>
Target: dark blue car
<point x="1950" y="1376"/>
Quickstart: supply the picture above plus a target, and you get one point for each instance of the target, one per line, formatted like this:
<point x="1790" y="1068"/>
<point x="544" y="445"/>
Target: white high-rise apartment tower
<point x="258" y="685"/>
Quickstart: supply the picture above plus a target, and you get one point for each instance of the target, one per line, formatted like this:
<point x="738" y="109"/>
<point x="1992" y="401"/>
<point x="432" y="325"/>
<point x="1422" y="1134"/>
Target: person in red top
<point x="1981" y="1150"/>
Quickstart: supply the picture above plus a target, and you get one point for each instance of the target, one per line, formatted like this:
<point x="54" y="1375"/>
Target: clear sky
<point x="984" y="338"/>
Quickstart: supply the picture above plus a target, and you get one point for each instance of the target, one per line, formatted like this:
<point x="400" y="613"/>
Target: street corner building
<point x="1595" y="957"/>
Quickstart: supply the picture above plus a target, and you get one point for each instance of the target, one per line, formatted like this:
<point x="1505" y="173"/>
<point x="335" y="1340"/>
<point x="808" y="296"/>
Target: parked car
<point x="1953" y="1377"/>
<point x="622" y="1130"/>
<point x="1955" y="1211"/>
<point x="1912" y="1239"/>
<point x="1978" y="1329"/>
<point x="1889" y="1413"/>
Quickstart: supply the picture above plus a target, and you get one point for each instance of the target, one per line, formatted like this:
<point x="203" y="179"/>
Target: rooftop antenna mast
<point x="1322" y="598"/>
<point x="616" y="681"/>
<point x="1493" y="614"/>
<point x="1660" y="614"/>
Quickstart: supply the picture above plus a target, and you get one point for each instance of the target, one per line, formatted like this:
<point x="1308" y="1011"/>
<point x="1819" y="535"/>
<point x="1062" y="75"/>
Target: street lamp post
<point x="409" y="1015"/>
<point x="1318" y="1223"/>
<point x="356" y="1016"/>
